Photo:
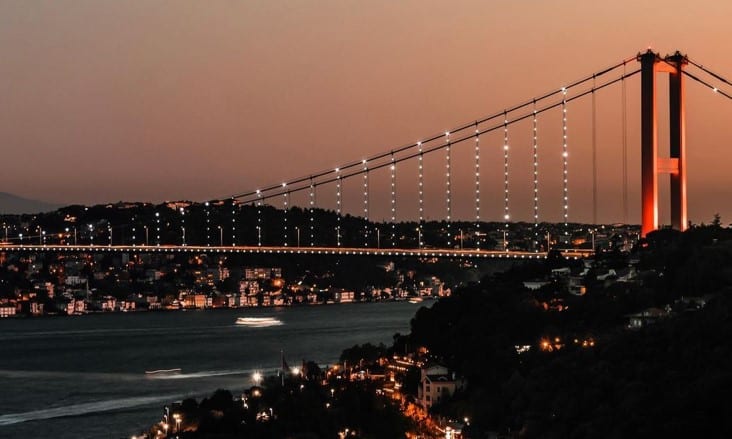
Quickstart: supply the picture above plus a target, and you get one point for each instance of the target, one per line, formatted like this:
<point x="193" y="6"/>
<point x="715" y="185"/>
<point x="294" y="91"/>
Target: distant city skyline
<point x="154" y="101"/>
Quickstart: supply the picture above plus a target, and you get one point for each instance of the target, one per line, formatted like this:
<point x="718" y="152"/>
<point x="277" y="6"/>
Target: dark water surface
<point x="84" y="376"/>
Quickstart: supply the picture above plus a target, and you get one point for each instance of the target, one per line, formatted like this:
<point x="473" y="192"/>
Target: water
<point x="71" y="377"/>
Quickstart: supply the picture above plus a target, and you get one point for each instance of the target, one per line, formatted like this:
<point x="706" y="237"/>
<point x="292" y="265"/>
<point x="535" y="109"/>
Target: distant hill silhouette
<point x="14" y="205"/>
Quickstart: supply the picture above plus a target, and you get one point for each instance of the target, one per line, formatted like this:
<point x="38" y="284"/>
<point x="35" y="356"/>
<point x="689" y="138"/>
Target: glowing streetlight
<point x="178" y="419"/>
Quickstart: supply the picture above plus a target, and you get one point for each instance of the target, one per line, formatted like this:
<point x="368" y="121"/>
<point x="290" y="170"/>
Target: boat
<point x="258" y="322"/>
<point x="163" y="372"/>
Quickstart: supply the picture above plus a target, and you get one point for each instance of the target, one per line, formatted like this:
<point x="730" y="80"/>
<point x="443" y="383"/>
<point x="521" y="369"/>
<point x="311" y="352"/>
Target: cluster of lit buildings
<point x="36" y="285"/>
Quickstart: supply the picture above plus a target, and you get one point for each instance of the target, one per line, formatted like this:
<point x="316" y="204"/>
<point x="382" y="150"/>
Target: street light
<point x="147" y="241"/>
<point x="110" y="234"/>
<point x="378" y="238"/>
<point x="183" y="229"/>
<point x="177" y="418"/>
<point x="221" y="236"/>
<point x="297" y="229"/>
<point x="461" y="239"/>
<point x="419" y="237"/>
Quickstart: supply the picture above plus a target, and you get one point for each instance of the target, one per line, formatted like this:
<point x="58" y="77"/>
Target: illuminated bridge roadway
<point x="402" y="252"/>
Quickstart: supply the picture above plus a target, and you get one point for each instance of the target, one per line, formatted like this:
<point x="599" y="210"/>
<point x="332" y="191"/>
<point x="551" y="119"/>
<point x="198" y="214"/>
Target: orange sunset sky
<point x="102" y="101"/>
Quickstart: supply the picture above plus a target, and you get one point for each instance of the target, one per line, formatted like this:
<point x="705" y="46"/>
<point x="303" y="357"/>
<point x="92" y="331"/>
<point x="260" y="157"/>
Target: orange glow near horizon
<point x="188" y="100"/>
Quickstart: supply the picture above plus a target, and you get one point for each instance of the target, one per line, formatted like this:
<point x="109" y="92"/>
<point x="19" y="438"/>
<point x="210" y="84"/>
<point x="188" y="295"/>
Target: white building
<point x="435" y="385"/>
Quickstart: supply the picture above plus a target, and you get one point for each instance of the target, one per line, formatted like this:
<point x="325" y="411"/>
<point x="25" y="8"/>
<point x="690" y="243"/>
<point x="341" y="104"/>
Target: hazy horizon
<point x="107" y="101"/>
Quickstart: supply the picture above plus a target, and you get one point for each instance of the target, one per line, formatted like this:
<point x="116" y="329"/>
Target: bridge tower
<point x="651" y="165"/>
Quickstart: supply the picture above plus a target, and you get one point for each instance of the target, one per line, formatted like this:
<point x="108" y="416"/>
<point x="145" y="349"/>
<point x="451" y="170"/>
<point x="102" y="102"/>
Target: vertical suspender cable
<point x="393" y="201"/>
<point x="594" y="152"/>
<point x="259" y="218"/>
<point x="339" y="187"/>
<point x="312" y="213"/>
<point x="565" y="159"/>
<point x="624" y="112"/>
<point x="535" y="144"/>
<point x="366" y="203"/>
<point x="285" y="211"/>
<point x="477" y="186"/>
<point x="420" y="192"/>
<point x="506" y="213"/>
<point x="448" y="184"/>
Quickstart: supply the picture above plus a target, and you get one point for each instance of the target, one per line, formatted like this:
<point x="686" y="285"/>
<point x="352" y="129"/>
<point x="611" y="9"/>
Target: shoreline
<point x="140" y="311"/>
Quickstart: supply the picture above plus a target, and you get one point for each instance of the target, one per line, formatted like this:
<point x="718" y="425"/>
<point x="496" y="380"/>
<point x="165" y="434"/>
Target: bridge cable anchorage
<point x="448" y="195"/>
<point x="420" y="191"/>
<point x="393" y="202"/>
<point x="259" y="218"/>
<point x="477" y="186"/>
<point x="366" y="202"/>
<point x="285" y="212"/>
<point x="594" y="153"/>
<point x="312" y="213"/>
<point x="354" y="164"/>
<point x="339" y="200"/>
<point x="716" y="90"/>
<point x="624" y="127"/>
<point x="565" y="159"/>
<point x="535" y="147"/>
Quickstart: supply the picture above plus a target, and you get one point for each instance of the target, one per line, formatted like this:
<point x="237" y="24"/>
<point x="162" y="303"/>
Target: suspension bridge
<point x="270" y="220"/>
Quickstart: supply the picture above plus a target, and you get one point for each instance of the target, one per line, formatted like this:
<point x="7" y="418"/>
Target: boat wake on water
<point x="176" y="374"/>
<point x="85" y="408"/>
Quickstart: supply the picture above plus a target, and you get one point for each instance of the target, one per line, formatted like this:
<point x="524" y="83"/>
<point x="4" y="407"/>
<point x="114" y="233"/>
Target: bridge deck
<point x="350" y="251"/>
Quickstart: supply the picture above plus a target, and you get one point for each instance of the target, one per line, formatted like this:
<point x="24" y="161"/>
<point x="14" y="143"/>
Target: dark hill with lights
<point x="588" y="374"/>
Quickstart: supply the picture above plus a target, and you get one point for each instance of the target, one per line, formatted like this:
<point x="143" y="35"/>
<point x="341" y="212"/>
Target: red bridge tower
<point x="651" y="164"/>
